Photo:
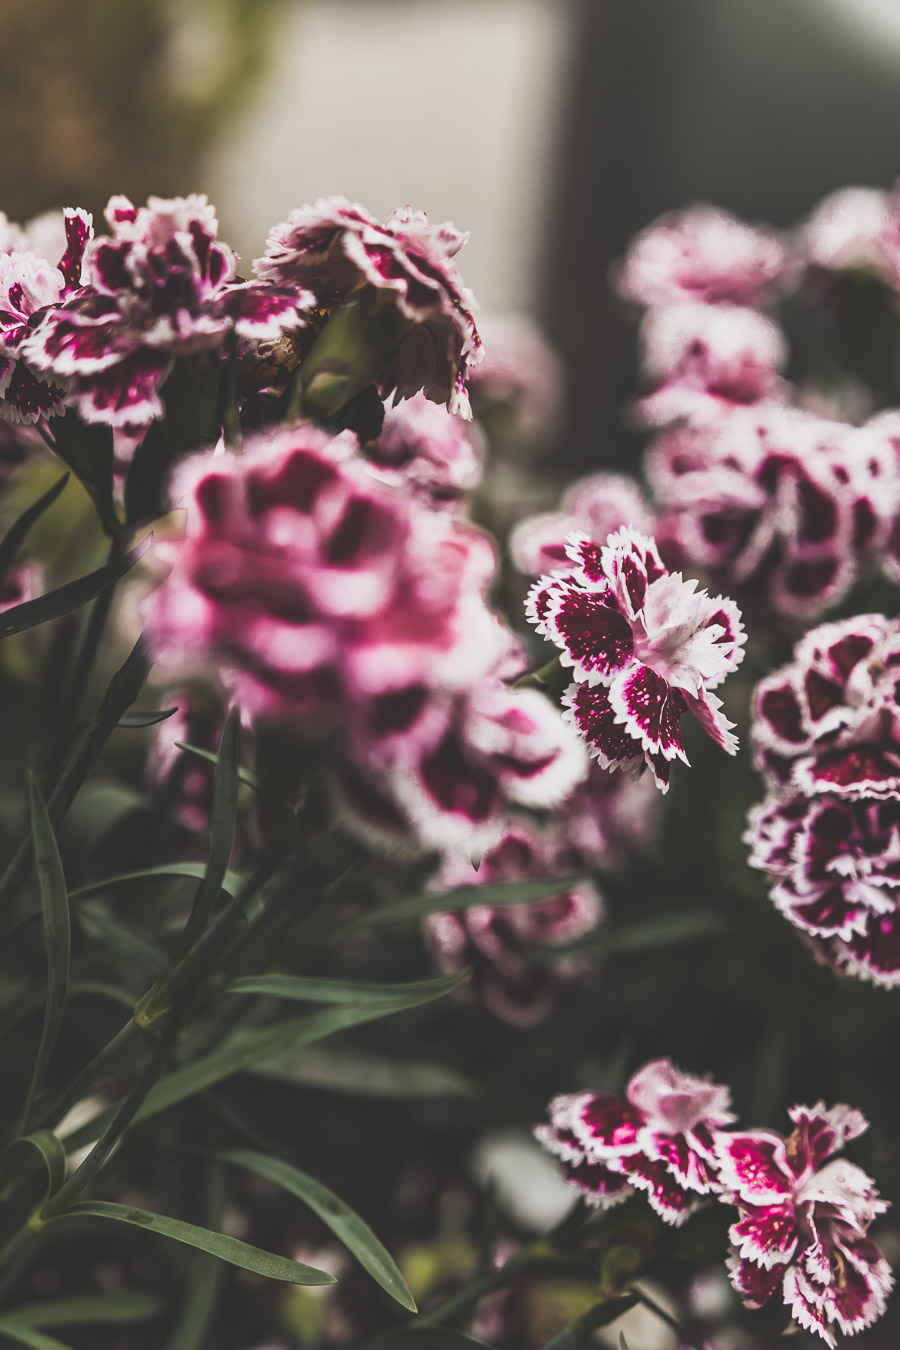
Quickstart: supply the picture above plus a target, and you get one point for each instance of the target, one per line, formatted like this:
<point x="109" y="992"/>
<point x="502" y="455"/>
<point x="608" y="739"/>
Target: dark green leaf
<point x="87" y="449"/>
<point x="652" y="934"/>
<point x="366" y="1076"/>
<point x="223" y="820"/>
<point x="115" y="1306"/>
<point x="57" y="937"/>
<point x="30" y="1336"/>
<point x="623" y="1344"/>
<point x="136" y="720"/>
<point x="17" y="533"/>
<point x="97" y="922"/>
<point x="599" y="1316"/>
<point x="231" y="882"/>
<point x="191" y="421"/>
<point x="69" y="597"/>
<point x="460" y="897"/>
<point x="226" y="1248"/>
<point x="346" y="1225"/>
<point x="315" y="989"/>
<point x="52" y="1155"/>
<point x="246" y="777"/>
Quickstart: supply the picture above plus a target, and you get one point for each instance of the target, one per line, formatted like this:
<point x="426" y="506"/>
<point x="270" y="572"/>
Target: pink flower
<point x="518" y="388"/>
<point x="598" y="506"/>
<point x="607" y="815"/>
<point x="702" y="360"/>
<point x="702" y="254"/>
<point x="660" y="1140"/>
<point x="644" y="646"/>
<point x="334" y="247"/>
<point x="856" y="228"/>
<point x="490" y="939"/>
<point x="161" y="286"/>
<point x="428" y="452"/>
<point x="803" y="1222"/>
<point x="782" y="508"/>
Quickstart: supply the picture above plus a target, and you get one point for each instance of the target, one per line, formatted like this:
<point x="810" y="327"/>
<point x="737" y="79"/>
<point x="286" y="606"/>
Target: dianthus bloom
<point x="702" y="254"/>
<point x="597" y="506"/>
<point x="162" y="286"/>
<point x="803" y="1219"/>
<point x="335" y="247"/>
<point x="659" y="1139"/>
<point x="490" y="939"/>
<point x="856" y="228"/>
<point x="644" y="645"/>
<point x="780" y="507"/>
<point x="328" y="602"/>
<point x="432" y="454"/>
<point x="827" y="737"/>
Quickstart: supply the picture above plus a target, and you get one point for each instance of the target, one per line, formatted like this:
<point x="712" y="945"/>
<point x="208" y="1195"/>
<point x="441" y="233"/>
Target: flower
<point x="855" y="228"/>
<point x="334" y="247"/>
<point x="490" y="939"/>
<point x="803" y="1222"/>
<point x="782" y="508"/>
<point x="659" y="1139"/>
<point x="702" y="360"/>
<point x="162" y="286"/>
<point x="517" y="389"/>
<point x="428" y="452"/>
<point x="702" y="254"/>
<point x="597" y="505"/>
<point x="644" y="646"/>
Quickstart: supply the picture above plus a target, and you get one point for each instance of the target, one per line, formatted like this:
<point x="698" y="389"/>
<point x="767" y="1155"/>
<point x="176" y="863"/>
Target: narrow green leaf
<point x="52" y="1154"/>
<point x="71" y="596"/>
<point x="57" y="937"/>
<point x="226" y="1248"/>
<point x="346" y="1225"/>
<point x="246" y="777"/>
<point x="17" y="533"/>
<point x="316" y="989"/>
<point x="623" y="1344"/>
<point x="223" y="821"/>
<point x="87" y="449"/>
<point x="460" y="897"/>
<point x="436" y="1338"/>
<point x="231" y="881"/>
<point x="136" y="720"/>
<point x="101" y="989"/>
<point x="190" y="1330"/>
<point x="96" y="922"/>
<point x="30" y="1336"/>
<point x="246" y="1049"/>
<point x="115" y="1306"/>
<point x="365" y="1076"/>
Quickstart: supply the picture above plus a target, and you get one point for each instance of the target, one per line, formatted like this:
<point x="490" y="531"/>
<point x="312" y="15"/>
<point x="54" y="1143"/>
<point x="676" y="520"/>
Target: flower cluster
<point x="802" y="1216"/>
<point x="644" y="645"/>
<point x="827" y="738"/>
<point x="331" y="603"/>
<point x="490" y="940"/>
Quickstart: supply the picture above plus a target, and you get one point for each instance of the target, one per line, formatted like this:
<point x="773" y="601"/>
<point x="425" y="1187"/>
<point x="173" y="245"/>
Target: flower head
<point x="644" y="646"/>
<point x="855" y="228"/>
<point x="334" y="247"/>
<point x="431" y="454"/>
<point x="659" y="1139"/>
<point x="597" y="506"/>
<point x="803" y="1219"/>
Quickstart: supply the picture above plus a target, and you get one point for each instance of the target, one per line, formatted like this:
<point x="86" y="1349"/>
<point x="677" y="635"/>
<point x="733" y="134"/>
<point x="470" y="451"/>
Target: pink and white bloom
<point x="855" y="228"/>
<point x="490" y="939"/>
<point x="334" y="247"/>
<point x="644" y="645"/>
<point x="427" y="452"/>
<point x="658" y="1139"/>
<point x="703" y="360"/>
<point x="597" y="506"/>
<point x="703" y="254"/>
<point x="803" y="1222"/>
<point x="161" y="286"/>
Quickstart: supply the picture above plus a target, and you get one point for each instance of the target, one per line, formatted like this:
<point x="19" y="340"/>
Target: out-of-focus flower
<point x="703" y="254"/>
<point x="490" y="940"/>
<point x="803" y="1222"/>
<point x="161" y="286"/>
<point x="606" y="814"/>
<point x="335" y="247"/>
<point x="644" y="645"/>
<point x="702" y="360"/>
<point x="597" y="506"/>
<point x="659" y="1139"/>
<point x="780" y="507"/>
<point x="428" y="452"/>
<point x="855" y="228"/>
<point x="518" y="387"/>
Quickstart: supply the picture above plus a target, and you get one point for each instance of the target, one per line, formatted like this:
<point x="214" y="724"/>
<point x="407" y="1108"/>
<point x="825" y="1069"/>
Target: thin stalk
<point x="652" y="1306"/>
<point x="88" y="646"/>
<point x="92" y="1074"/>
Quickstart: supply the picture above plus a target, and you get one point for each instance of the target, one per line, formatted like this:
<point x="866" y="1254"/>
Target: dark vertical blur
<point x="760" y="107"/>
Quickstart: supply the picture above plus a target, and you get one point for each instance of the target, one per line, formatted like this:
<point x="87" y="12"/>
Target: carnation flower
<point x="803" y="1222"/>
<point x="428" y="452"/>
<point x="597" y="506"/>
<point x="162" y="286"/>
<point x="702" y="254"/>
<point x="490" y="939"/>
<point x="855" y="228"/>
<point x="644" y="646"/>
<point x="335" y="247"/>
<point x="607" y="814"/>
<point x="659" y="1139"/>
<point x="703" y="360"/>
<point x="781" y="508"/>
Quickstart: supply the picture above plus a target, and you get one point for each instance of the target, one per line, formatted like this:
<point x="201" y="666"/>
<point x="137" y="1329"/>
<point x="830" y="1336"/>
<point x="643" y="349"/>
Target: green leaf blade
<point x="114" y="1307"/>
<point x="344" y="1222"/>
<point x="223" y="822"/>
<point x="229" y="1249"/>
<point x="18" y="532"/>
<point x="69" y="597"/>
<point x="57" y="933"/>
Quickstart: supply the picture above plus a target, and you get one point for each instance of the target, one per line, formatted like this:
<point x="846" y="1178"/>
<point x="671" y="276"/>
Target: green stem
<point x="89" y="1077"/>
<point x="652" y="1306"/>
<point x="88" y="646"/>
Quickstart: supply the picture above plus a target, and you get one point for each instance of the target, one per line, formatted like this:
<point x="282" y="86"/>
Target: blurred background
<point x="551" y="129"/>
